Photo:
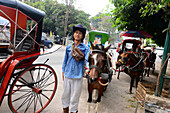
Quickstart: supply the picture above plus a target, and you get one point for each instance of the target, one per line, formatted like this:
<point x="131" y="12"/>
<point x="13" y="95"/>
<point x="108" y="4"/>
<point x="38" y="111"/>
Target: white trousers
<point x="71" y="93"/>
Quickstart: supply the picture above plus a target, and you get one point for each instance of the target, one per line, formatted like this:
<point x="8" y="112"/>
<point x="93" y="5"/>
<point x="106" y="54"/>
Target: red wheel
<point x="33" y="89"/>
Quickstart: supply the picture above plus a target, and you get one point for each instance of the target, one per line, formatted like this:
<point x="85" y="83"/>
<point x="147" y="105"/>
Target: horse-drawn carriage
<point x="129" y="46"/>
<point x="99" y="73"/>
<point x="134" y="60"/>
<point x="129" y="60"/>
<point x="29" y="87"/>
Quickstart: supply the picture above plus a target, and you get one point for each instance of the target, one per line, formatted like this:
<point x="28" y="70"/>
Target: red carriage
<point x="30" y="87"/>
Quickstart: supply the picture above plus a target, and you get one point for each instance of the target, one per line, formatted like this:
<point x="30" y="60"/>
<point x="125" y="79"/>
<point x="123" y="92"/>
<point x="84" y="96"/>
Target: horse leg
<point x="97" y="107"/>
<point x="95" y="92"/>
<point x="131" y="84"/>
<point x="100" y="92"/>
<point x="148" y="71"/>
<point x="153" y="68"/>
<point x="114" y="71"/>
<point x="118" y="73"/>
<point x="141" y="77"/>
<point x="137" y="79"/>
<point x="145" y="70"/>
<point x="88" y="107"/>
<point x="105" y="88"/>
<point x="89" y="102"/>
<point x="90" y="90"/>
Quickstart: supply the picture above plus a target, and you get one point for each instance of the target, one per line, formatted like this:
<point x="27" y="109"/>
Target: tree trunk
<point x="68" y="5"/>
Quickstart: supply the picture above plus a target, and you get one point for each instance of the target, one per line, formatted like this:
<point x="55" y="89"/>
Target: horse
<point x="149" y="62"/>
<point x="100" y="73"/>
<point x="133" y="66"/>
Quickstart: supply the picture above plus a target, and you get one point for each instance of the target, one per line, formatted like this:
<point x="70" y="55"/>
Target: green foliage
<point x="153" y="7"/>
<point x="143" y="15"/>
<point x="55" y="16"/>
<point x="102" y="22"/>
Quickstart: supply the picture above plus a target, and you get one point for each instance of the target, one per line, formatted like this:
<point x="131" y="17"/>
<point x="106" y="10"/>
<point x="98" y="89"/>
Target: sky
<point x="92" y="7"/>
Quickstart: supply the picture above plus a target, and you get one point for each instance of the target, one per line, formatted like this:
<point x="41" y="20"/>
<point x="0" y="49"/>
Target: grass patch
<point x="132" y="103"/>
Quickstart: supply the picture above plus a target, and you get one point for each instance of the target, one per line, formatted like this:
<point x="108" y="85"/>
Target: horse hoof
<point x="94" y="101"/>
<point x="130" y="93"/>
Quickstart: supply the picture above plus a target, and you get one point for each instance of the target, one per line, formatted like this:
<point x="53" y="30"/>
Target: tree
<point x="102" y="22"/>
<point x="127" y="16"/>
<point x="68" y="6"/>
<point x="54" y="19"/>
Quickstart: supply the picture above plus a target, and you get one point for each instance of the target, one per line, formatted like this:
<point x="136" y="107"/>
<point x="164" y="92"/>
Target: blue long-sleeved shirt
<point x="72" y="68"/>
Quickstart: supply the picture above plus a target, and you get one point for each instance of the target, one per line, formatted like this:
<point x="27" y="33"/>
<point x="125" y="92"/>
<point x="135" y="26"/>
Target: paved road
<point x="115" y="100"/>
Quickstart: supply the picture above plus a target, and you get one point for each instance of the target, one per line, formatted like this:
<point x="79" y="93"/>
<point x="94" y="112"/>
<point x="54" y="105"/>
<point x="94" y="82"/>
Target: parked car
<point x="47" y="43"/>
<point x="59" y="40"/>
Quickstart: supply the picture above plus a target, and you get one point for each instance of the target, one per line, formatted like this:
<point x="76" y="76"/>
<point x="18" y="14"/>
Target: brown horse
<point x="149" y="62"/>
<point x="133" y="66"/>
<point x="100" y="73"/>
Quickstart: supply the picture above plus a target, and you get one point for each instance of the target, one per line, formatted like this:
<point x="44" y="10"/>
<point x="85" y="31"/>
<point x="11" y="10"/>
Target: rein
<point x="136" y="64"/>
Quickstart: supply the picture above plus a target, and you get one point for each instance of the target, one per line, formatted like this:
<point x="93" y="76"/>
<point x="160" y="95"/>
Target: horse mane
<point x="99" y="47"/>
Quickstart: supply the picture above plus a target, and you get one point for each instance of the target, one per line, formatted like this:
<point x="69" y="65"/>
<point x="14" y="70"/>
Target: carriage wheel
<point x="33" y="89"/>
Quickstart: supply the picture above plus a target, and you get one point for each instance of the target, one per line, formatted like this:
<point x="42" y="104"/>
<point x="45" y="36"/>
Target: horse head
<point x="97" y="61"/>
<point x="122" y="59"/>
<point x="128" y="59"/>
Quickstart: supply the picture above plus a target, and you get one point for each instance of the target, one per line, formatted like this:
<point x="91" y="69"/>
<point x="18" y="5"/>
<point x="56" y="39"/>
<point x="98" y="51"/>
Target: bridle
<point x="100" y="69"/>
<point x="94" y="66"/>
<point x="132" y="68"/>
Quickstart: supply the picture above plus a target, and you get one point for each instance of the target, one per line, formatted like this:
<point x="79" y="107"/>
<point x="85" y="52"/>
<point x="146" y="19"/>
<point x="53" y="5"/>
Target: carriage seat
<point x="27" y="43"/>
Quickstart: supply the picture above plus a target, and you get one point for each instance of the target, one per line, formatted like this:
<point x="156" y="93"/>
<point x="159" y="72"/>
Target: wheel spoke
<point x="31" y="76"/>
<point x="24" y="81"/>
<point x="24" y="102"/>
<point x="29" y="103"/>
<point x="21" y="97"/>
<point x="35" y="102"/>
<point x="45" y="80"/>
<point x="23" y="90"/>
<point x="48" y="90"/>
<point x="44" y="73"/>
<point x="45" y="96"/>
<point x="38" y="77"/>
<point x="44" y="86"/>
<point x="39" y="98"/>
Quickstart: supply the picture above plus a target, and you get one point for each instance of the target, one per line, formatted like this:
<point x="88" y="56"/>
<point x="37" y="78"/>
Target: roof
<point x="95" y="31"/>
<point x="132" y="41"/>
<point x="30" y="11"/>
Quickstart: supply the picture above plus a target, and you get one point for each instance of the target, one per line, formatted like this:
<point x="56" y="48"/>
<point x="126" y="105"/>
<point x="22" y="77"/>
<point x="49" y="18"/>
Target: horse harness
<point x="132" y="68"/>
<point x="105" y="76"/>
